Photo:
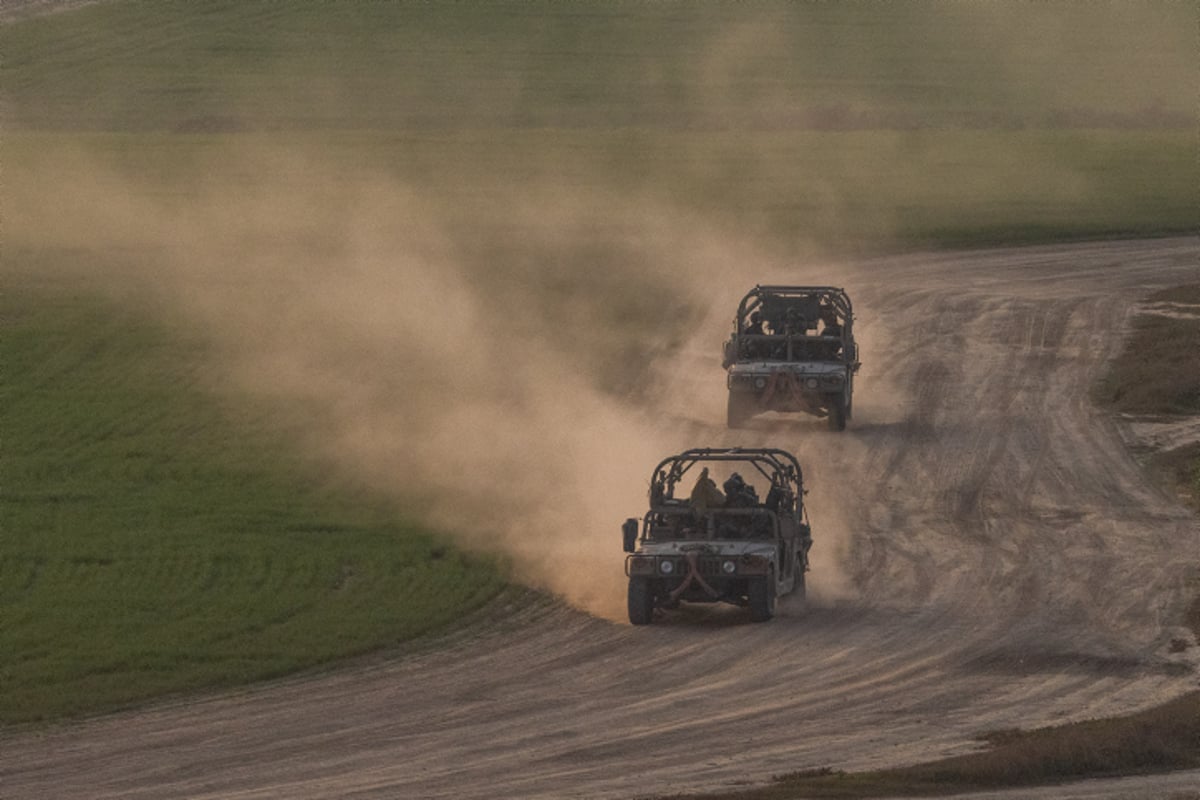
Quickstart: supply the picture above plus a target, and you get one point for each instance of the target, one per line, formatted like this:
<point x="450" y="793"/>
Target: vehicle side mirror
<point x="730" y="354"/>
<point x="629" y="532"/>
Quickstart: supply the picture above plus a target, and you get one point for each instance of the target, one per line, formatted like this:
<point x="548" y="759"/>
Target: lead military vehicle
<point x="792" y="350"/>
<point x="714" y="546"/>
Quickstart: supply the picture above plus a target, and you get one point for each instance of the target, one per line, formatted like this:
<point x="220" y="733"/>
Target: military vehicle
<point x="792" y="350"/>
<point x="714" y="546"/>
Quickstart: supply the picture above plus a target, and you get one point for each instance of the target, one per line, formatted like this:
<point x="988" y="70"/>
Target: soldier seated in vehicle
<point x="754" y="349"/>
<point x="832" y="332"/>
<point x="795" y="326"/>
<point x="739" y="494"/>
<point x="779" y="500"/>
<point x="705" y="494"/>
<point x="755" y="328"/>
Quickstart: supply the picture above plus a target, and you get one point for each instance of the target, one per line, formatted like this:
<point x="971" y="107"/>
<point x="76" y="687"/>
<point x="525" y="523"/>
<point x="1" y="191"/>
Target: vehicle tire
<point x="761" y="594"/>
<point x="641" y="601"/>
<point x="739" y="410"/>
<point x="837" y="413"/>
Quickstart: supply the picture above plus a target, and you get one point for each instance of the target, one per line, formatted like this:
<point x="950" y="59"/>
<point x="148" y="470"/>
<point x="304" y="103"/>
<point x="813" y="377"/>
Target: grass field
<point x="162" y="536"/>
<point x="839" y="128"/>
<point x="156" y="540"/>
<point x="173" y="65"/>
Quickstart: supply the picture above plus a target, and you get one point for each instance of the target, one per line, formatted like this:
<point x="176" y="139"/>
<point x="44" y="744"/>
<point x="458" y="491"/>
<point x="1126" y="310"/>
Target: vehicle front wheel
<point x="641" y="601"/>
<point x="739" y="410"/>
<point x="837" y="413"/>
<point x="761" y="594"/>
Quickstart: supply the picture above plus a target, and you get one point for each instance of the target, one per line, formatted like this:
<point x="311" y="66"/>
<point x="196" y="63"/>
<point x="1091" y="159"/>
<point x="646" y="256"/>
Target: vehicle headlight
<point x="760" y="383"/>
<point x="666" y="567"/>
<point x="811" y="383"/>
<point x="728" y="567"/>
<point x="641" y="566"/>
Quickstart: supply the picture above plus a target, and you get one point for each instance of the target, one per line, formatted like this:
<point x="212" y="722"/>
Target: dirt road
<point x="988" y="556"/>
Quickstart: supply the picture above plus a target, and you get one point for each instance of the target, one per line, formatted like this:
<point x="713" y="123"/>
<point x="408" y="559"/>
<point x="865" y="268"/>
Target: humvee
<point x="712" y="546"/>
<point x="792" y="349"/>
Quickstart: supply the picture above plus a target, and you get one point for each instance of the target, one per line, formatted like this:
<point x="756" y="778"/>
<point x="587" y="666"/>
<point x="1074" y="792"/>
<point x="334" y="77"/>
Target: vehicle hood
<point x="795" y="367"/>
<point x="717" y="547"/>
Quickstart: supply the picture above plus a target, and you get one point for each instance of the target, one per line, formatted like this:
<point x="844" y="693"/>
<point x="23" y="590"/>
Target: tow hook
<point x="693" y="575"/>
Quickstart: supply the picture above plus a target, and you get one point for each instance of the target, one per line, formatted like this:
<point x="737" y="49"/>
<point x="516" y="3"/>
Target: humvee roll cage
<point x="779" y="324"/>
<point x="761" y="296"/>
<point x="779" y="467"/>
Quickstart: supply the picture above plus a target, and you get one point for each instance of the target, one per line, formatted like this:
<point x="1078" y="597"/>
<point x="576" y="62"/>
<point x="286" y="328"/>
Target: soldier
<point x="755" y="328"/>
<point x="830" y="321"/>
<point x="832" y="331"/>
<point x="705" y="494"/>
<point x="733" y="487"/>
<point x="739" y="494"/>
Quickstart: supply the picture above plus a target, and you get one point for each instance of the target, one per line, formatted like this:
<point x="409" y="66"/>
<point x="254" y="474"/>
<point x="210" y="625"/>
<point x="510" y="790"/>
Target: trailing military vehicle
<point x="719" y="545"/>
<point x="792" y="350"/>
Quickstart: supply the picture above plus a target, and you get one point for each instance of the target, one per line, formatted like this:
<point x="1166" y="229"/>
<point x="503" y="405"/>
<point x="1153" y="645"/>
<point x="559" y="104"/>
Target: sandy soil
<point x="1158" y="433"/>
<point x="1005" y="564"/>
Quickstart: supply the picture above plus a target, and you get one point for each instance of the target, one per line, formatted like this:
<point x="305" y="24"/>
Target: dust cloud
<point x="509" y="372"/>
<point x="506" y="338"/>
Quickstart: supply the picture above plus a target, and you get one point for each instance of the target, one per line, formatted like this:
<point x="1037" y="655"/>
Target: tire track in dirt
<point x="1004" y="564"/>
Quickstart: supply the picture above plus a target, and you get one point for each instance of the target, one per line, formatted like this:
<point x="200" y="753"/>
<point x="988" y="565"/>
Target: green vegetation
<point x="843" y="128"/>
<point x="154" y="543"/>
<point x="257" y="64"/>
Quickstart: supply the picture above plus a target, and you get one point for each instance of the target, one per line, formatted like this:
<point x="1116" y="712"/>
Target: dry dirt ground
<point x="1000" y="561"/>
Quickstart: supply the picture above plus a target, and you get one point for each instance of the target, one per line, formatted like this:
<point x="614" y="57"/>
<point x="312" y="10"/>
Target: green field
<point x="164" y="533"/>
<point x="838" y="128"/>
<point x="178" y="66"/>
<point x="156" y="540"/>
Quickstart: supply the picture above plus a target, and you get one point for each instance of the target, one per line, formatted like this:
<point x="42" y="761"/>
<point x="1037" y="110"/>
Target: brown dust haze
<point x="509" y="372"/>
<point x="508" y="343"/>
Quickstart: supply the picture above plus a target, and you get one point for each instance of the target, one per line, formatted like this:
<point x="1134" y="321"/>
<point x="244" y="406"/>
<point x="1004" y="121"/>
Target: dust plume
<point x="510" y="375"/>
<point x="501" y="304"/>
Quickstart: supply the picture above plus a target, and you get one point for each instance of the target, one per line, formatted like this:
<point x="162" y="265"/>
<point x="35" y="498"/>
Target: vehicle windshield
<point x="685" y="524"/>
